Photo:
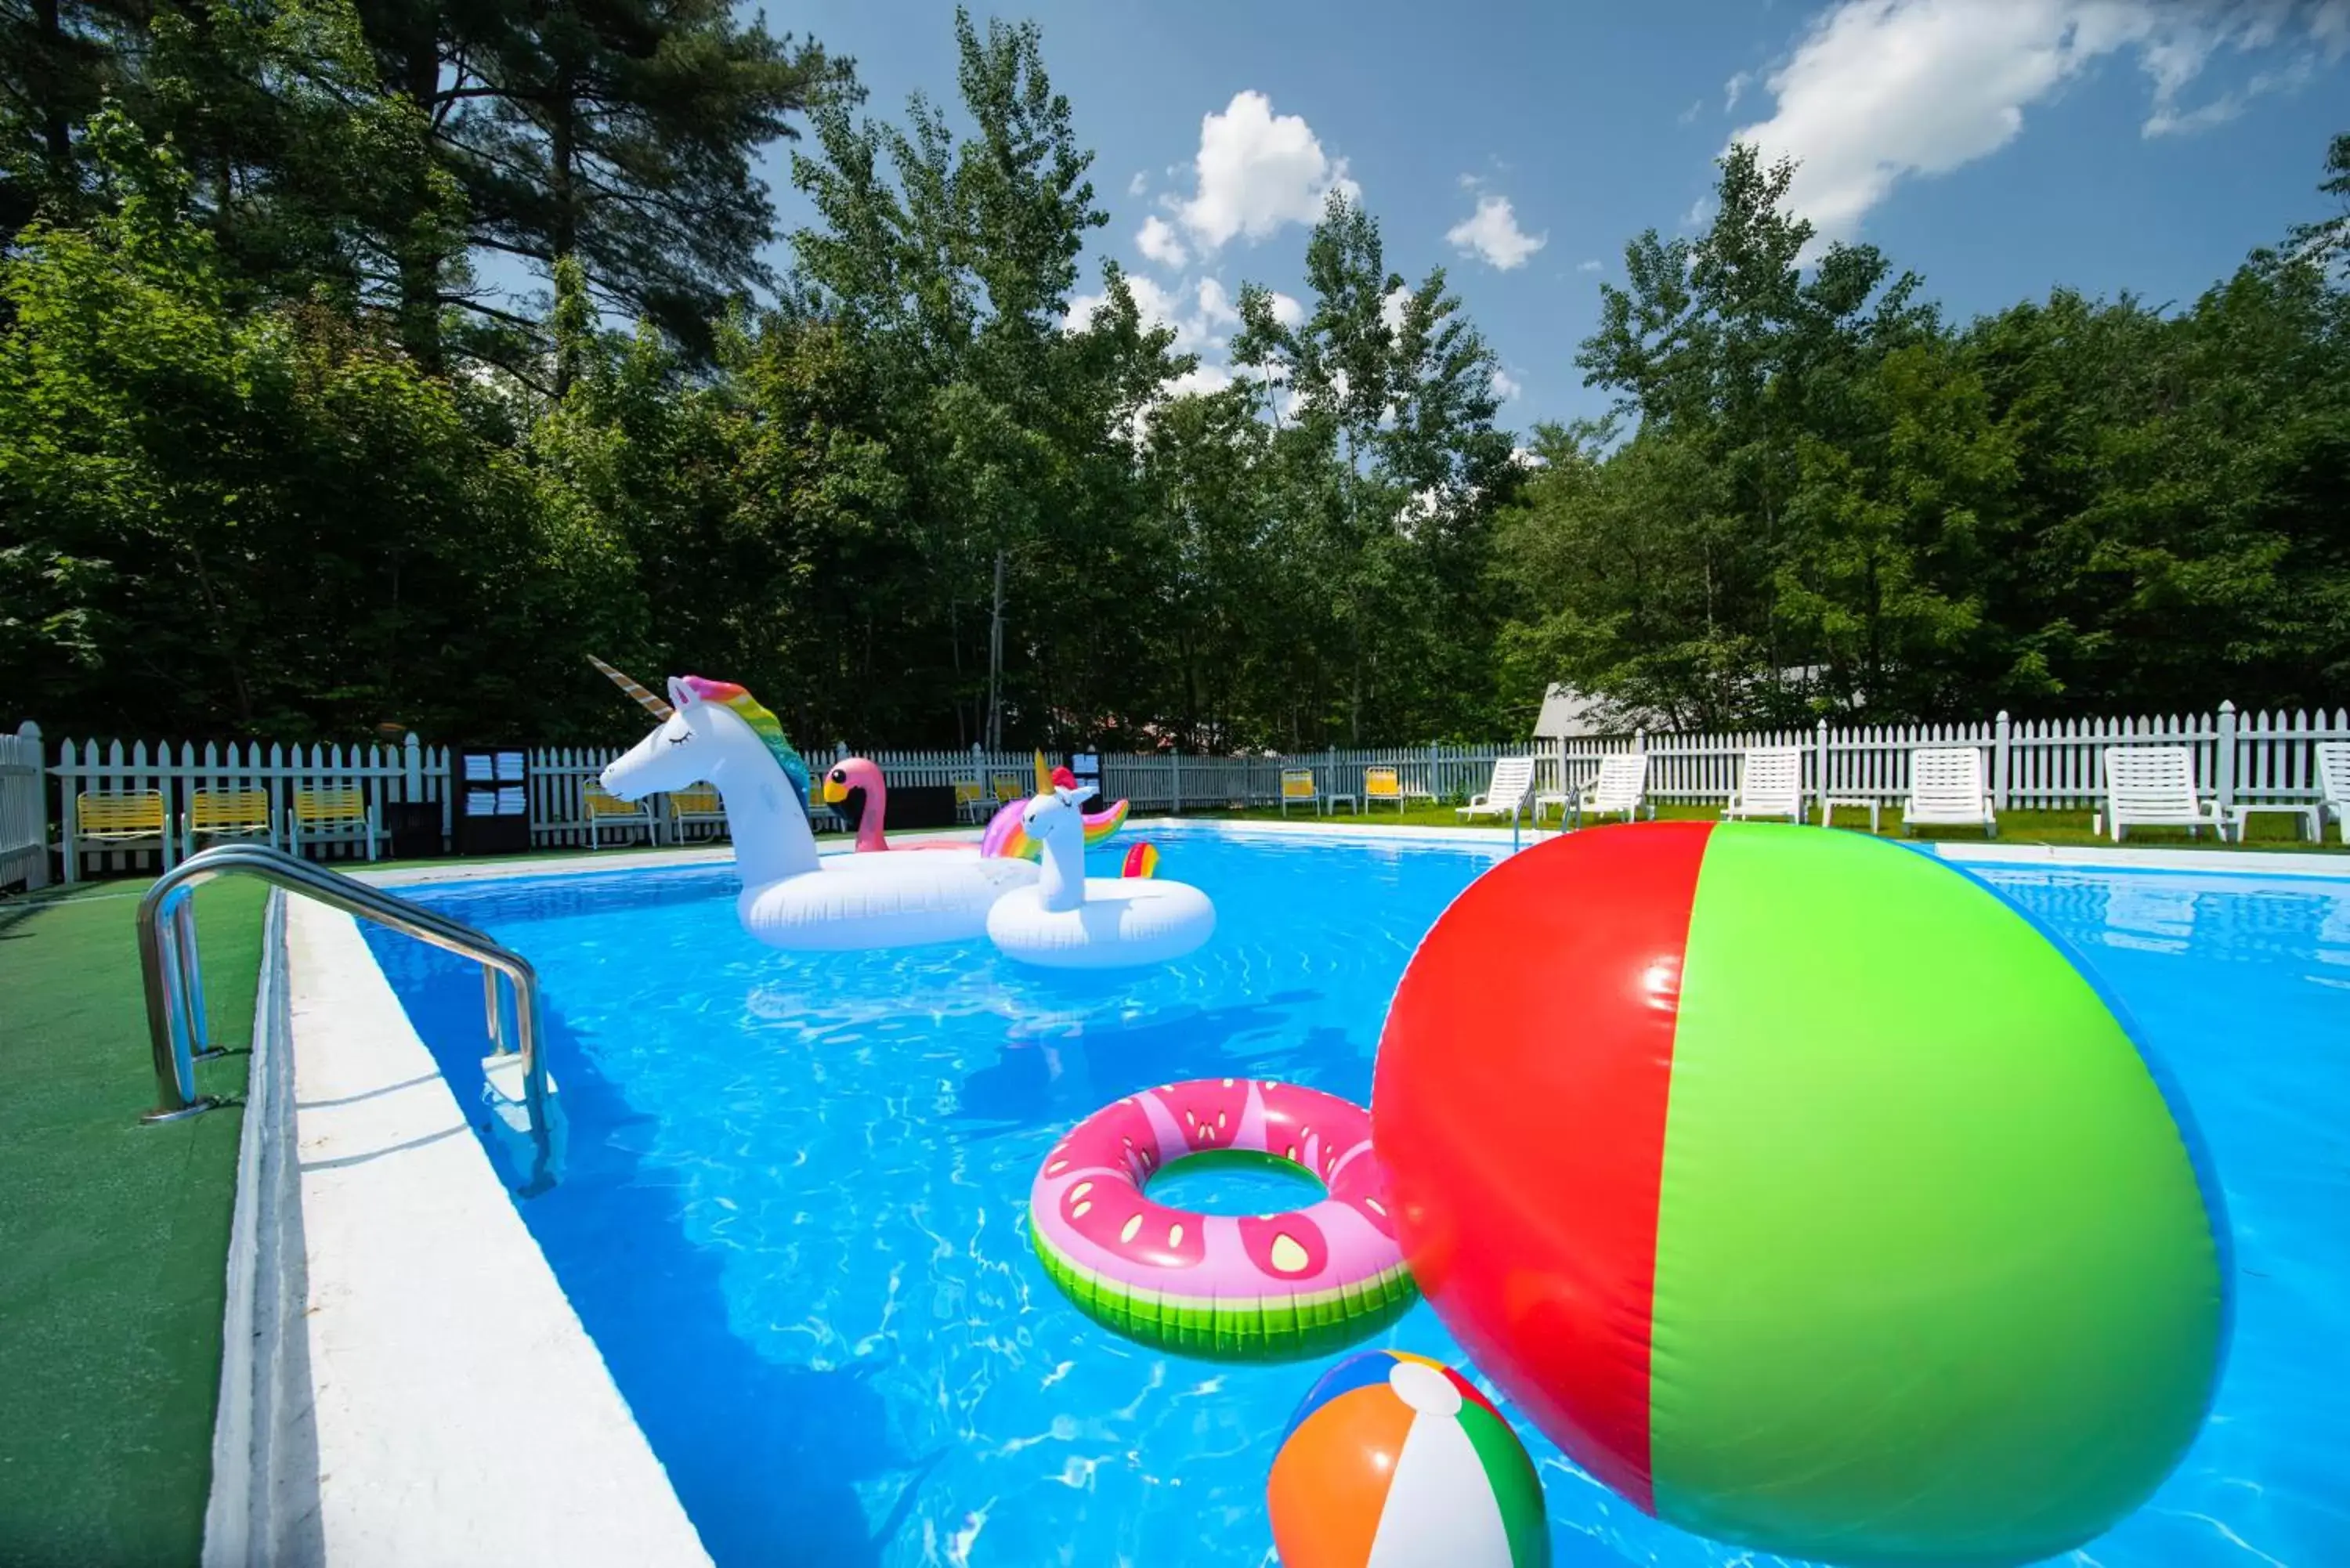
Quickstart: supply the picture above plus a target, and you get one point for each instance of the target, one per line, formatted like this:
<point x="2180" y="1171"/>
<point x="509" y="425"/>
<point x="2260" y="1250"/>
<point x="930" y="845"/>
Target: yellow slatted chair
<point x="120" y="822"/>
<point x="1009" y="787"/>
<point x="1383" y="784"/>
<point x="625" y="815"/>
<point x="1297" y="789"/>
<point x="695" y="807"/>
<point x="326" y="815"/>
<point x="970" y="799"/>
<point x="228" y="814"/>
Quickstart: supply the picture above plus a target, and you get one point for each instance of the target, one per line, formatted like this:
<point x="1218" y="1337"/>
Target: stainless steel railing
<point x="176" y="1026"/>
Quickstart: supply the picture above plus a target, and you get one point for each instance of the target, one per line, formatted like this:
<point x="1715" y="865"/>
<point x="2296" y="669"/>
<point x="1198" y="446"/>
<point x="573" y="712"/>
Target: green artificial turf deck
<point x="114" y="1236"/>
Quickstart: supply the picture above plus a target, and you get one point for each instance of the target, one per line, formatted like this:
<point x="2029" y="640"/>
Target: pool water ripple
<point x="793" y="1216"/>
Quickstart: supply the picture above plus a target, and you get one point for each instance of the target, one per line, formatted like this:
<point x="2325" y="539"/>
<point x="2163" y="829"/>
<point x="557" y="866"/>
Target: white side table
<point x="1829" y="804"/>
<point x="1331" y="805"/>
<point x="2306" y="810"/>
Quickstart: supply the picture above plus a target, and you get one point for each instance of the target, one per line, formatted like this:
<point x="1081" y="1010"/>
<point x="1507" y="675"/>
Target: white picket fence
<point x="23" y="827"/>
<point x="2049" y="765"/>
<point x="2054" y="764"/>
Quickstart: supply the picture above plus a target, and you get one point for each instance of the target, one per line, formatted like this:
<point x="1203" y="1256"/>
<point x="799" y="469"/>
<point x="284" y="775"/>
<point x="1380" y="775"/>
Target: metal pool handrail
<point x="175" y="1012"/>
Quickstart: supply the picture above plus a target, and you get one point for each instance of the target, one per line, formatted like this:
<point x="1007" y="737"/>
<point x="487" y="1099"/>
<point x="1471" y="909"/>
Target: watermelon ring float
<point x="1272" y="1287"/>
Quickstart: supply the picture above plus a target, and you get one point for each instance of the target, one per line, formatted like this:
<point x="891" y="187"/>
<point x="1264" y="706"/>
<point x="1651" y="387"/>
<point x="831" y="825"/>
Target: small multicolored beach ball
<point x="1394" y="1460"/>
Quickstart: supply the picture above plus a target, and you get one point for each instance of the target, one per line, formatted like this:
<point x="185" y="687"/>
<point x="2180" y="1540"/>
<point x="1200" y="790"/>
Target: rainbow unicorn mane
<point x="1005" y="839"/>
<point x="764" y="724"/>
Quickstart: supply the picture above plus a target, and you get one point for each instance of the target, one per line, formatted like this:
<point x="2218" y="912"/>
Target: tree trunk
<point x="56" y="128"/>
<point x="562" y="226"/>
<point x="995" y="662"/>
<point x="420" y="254"/>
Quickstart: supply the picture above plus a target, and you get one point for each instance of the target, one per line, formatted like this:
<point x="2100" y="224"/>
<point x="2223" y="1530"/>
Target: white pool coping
<point x="457" y="1408"/>
<point x="1495" y="840"/>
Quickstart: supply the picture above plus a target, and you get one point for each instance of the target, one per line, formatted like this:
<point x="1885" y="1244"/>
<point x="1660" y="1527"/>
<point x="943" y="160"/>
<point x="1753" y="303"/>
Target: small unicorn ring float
<point x="1066" y="919"/>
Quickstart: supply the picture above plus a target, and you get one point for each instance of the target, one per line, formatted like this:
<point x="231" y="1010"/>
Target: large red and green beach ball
<point x="1805" y="1192"/>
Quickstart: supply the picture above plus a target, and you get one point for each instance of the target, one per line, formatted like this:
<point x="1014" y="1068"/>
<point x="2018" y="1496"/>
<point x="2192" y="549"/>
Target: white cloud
<point x="1202" y="378"/>
<point x="1879" y="90"/>
<point x="1156" y="240"/>
<point x="1505" y="386"/>
<point x="1391" y="308"/>
<point x="1256" y="171"/>
<point x="2229" y="105"/>
<point x="1592" y="265"/>
<point x="1140" y="183"/>
<point x="1216" y="307"/>
<point x="1735" y="88"/>
<point x="1689" y="116"/>
<point x="1194" y="311"/>
<point x="1287" y="311"/>
<point x="1491" y="233"/>
<point x="1526" y="457"/>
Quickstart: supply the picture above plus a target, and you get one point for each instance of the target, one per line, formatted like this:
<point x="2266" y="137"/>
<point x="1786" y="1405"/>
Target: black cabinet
<point x="490" y="799"/>
<point x="415" y="829"/>
<point x="922" y="806"/>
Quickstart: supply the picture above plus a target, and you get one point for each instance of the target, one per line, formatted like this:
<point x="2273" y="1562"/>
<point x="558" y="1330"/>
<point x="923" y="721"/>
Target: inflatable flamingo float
<point x="856" y="786"/>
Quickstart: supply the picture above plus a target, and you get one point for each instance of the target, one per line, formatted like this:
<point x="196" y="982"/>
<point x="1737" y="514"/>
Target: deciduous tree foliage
<point x="272" y="463"/>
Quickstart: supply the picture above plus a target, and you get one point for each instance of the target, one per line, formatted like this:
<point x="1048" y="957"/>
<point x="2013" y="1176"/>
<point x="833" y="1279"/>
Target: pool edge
<point x="2223" y="862"/>
<point x="450" y="1405"/>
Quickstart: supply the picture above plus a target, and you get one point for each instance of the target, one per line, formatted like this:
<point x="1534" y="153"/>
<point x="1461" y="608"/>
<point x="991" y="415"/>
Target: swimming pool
<point x="791" y="1215"/>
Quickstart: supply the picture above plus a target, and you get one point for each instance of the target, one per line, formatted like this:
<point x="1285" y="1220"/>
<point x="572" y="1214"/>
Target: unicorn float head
<point x="1007" y="836"/>
<point x="716" y="731"/>
<point x="792" y="898"/>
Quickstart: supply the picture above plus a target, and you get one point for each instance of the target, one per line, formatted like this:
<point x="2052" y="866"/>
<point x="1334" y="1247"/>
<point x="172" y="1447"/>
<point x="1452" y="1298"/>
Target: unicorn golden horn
<point x="651" y="704"/>
<point x="1043" y="776"/>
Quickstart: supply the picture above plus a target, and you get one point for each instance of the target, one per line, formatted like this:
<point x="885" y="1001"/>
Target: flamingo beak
<point x="835" y="789"/>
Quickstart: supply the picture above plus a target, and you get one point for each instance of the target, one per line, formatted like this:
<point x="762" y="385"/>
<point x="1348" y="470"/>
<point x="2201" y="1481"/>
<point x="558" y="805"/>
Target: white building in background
<point x="1567" y="715"/>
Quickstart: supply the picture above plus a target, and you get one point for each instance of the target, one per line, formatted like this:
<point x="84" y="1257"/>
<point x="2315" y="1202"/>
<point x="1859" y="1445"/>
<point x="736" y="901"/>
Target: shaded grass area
<point x="114" y="1236"/>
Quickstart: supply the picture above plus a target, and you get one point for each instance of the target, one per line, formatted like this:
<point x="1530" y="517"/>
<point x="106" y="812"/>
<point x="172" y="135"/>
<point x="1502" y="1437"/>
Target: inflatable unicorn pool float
<point x="1069" y="920"/>
<point x="792" y="898"/>
<point x="855" y="787"/>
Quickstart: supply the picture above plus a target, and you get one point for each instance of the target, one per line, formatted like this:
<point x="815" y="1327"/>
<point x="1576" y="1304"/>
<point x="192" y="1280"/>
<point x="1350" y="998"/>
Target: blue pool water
<point x="791" y="1214"/>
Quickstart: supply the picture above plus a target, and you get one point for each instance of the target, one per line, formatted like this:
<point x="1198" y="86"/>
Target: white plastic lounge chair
<point x="1622" y="786"/>
<point x="1769" y="784"/>
<point x="2334" y="781"/>
<point x="1946" y="790"/>
<point x="2154" y="787"/>
<point x="1506" y="794"/>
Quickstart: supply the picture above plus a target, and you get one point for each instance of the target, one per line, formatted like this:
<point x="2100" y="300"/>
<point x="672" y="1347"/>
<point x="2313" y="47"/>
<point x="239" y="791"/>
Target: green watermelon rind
<point x="1272" y="1328"/>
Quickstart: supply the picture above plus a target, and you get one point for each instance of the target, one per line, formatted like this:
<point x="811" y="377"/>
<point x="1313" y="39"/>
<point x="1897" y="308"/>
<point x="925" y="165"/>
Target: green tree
<point x="951" y="262"/>
<point x="620" y="132"/>
<point x="215" y="521"/>
<point x="1396" y="457"/>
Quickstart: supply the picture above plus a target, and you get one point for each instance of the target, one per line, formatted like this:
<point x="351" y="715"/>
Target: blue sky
<point x="1997" y="147"/>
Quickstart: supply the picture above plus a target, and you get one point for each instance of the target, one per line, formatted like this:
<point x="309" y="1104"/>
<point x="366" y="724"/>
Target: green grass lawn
<point x="114" y="1236"/>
